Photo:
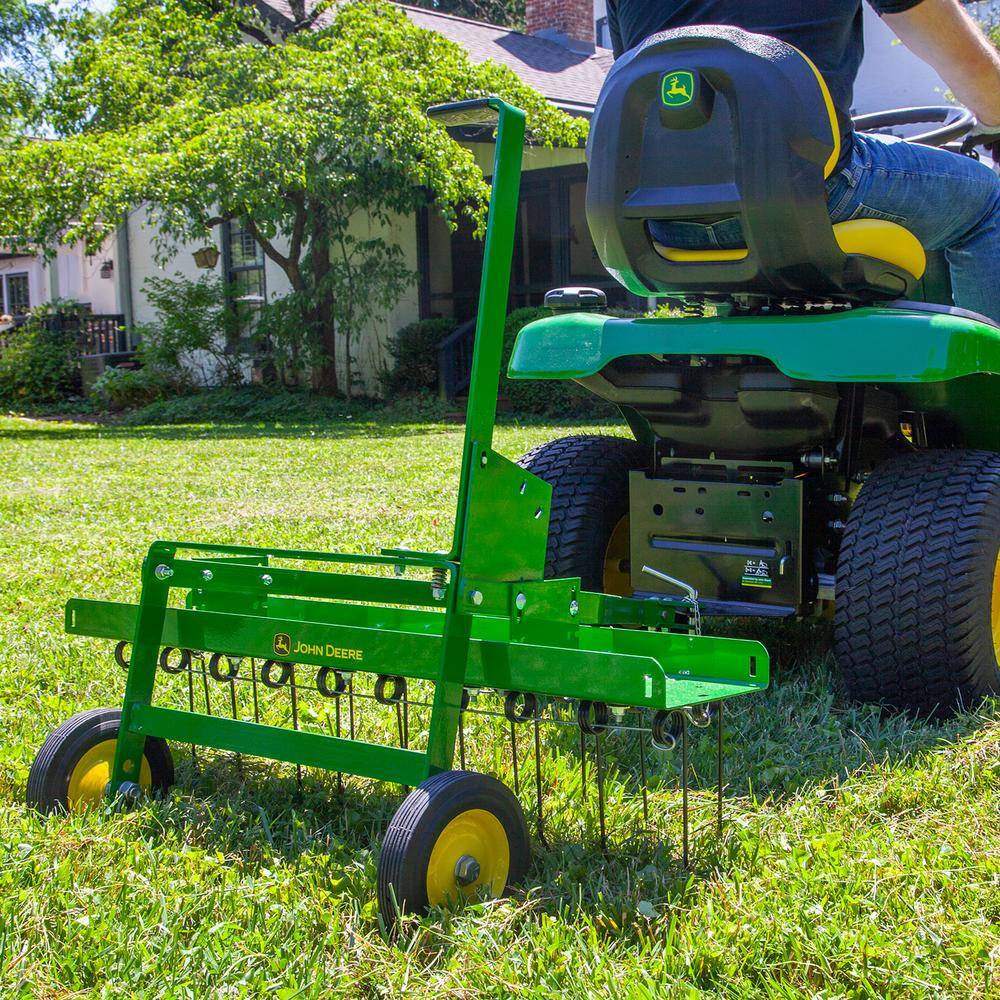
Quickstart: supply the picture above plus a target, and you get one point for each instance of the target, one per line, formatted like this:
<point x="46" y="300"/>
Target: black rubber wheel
<point x="450" y="821"/>
<point x="588" y="474"/>
<point x="74" y="763"/>
<point x="918" y="583"/>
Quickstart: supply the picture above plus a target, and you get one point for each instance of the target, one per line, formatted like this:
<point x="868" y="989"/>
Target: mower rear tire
<point x="588" y="474"/>
<point x="917" y="621"/>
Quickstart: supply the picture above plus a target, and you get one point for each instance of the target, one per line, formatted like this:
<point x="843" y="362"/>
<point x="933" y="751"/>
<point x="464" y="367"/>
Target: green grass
<point x="861" y="855"/>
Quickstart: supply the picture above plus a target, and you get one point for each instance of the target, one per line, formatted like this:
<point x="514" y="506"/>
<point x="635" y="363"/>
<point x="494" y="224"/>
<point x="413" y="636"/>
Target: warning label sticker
<point x="757" y="573"/>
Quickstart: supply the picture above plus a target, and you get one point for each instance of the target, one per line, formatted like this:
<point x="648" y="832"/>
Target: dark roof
<point x="571" y="80"/>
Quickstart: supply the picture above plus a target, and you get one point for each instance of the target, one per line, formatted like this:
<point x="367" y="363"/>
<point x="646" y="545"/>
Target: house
<point x="564" y="55"/>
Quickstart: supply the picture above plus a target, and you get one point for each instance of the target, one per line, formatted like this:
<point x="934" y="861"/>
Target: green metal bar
<point x="369" y="760"/>
<point x="142" y="663"/>
<point x="300" y="582"/>
<point x="430" y="559"/>
<point x="619" y="666"/>
<point x="494" y="288"/>
<point x="479" y="419"/>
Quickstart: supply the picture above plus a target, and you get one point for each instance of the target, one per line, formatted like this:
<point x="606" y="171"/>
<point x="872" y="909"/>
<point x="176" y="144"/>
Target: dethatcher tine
<point x="346" y="630"/>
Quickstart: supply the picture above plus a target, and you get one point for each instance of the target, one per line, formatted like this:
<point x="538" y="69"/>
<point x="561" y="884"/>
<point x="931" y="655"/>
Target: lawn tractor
<point x="809" y="439"/>
<point x="300" y="656"/>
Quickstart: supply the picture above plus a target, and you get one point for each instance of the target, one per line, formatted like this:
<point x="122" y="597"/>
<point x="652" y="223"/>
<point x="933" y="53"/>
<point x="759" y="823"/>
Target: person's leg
<point x="949" y="202"/>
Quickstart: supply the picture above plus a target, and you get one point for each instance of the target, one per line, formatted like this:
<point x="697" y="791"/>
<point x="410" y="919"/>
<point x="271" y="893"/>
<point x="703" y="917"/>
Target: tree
<point x="198" y="110"/>
<point x="20" y="21"/>
<point x="21" y="24"/>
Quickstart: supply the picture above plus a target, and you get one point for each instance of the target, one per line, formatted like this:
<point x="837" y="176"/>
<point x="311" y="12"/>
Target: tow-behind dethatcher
<point x="222" y="634"/>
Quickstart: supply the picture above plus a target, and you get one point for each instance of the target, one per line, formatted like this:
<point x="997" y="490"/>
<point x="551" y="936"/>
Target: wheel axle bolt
<point x="266" y="579"/>
<point x="466" y="870"/>
<point x="206" y="575"/>
<point x="163" y="572"/>
<point x="129" y="793"/>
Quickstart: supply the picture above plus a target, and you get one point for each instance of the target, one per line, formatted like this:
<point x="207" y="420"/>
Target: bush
<point x="415" y="356"/>
<point x="197" y="331"/>
<point x="127" y="388"/>
<point x="40" y="363"/>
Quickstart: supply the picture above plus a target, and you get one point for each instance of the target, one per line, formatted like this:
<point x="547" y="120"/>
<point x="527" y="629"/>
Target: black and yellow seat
<point x="710" y="123"/>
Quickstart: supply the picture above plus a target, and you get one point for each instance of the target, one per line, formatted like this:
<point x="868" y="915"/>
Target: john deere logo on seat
<point x="282" y="644"/>
<point x="677" y="88"/>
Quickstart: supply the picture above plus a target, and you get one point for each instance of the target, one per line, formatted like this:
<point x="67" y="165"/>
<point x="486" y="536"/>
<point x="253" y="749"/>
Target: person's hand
<point x="985" y="135"/>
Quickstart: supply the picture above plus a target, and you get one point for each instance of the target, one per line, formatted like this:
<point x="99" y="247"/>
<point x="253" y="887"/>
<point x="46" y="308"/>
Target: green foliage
<point x="20" y="22"/>
<point x="166" y="103"/>
<point x="414" y="351"/>
<point x="40" y="362"/>
<point x="129" y="388"/>
<point x="250" y="403"/>
<point x="197" y="333"/>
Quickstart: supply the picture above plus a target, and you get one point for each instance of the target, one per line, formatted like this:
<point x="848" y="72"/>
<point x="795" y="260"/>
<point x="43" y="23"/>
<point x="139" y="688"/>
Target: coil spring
<point x="693" y="308"/>
<point x="439" y="580"/>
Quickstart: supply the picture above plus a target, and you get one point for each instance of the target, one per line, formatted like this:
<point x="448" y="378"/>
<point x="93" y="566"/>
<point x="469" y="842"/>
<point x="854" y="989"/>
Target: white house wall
<point x="71" y="274"/>
<point x="145" y="265"/>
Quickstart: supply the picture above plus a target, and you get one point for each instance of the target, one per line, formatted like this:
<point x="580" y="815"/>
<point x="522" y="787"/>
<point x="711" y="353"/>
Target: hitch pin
<point x="690" y="592"/>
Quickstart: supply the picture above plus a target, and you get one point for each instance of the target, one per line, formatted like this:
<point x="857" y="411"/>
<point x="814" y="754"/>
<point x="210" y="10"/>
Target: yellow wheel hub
<point x="92" y="773"/>
<point x="995" y="609"/>
<point x="616" y="577"/>
<point x="471" y="852"/>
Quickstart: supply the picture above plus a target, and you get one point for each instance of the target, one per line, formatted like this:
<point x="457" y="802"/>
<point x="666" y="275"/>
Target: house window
<point x="15" y="299"/>
<point x="245" y="266"/>
<point x="243" y="259"/>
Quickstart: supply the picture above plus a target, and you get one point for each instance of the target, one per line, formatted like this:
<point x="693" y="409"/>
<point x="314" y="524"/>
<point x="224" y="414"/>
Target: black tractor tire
<point x="918" y="595"/>
<point x="588" y="474"/>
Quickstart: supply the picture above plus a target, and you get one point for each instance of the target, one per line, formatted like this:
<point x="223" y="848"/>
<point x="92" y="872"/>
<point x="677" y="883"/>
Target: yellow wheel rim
<point x="474" y="834"/>
<point x="92" y="773"/>
<point x="616" y="577"/>
<point x="995" y="609"/>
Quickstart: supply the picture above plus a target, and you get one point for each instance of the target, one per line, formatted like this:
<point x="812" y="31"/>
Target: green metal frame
<point x="486" y="618"/>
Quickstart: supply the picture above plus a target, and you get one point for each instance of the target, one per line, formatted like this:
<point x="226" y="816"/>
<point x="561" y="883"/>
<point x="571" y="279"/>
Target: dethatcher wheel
<point x="918" y="583"/>
<point x="73" y="767"/>
<point x="457" y="835"/>
<point x="588" y="524"/>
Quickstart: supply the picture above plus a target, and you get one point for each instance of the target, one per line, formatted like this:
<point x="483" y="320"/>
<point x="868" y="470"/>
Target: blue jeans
<point x="949" y="202"/>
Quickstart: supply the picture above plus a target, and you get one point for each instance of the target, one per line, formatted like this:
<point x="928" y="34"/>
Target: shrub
<point x="415" y="356"/>
<point x="40" y="363"/>
<point x="127" y="388"/>
<point x="197" y="330"/>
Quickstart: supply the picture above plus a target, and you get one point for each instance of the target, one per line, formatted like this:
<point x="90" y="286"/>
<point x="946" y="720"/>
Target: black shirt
<point x="828" y="31"/>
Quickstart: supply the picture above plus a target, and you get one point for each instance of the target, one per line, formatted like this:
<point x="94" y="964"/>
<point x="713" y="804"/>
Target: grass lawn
<point x="861" y="856"/>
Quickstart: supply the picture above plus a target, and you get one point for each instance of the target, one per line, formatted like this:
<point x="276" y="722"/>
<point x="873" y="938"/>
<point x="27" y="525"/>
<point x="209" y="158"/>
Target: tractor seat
<point x="710" y="122"/>
<point x="875" y="238"/>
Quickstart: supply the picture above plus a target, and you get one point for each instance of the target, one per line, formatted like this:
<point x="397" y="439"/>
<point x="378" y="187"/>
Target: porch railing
<point x="97" y="335"/>
<point x="455" y="360"/>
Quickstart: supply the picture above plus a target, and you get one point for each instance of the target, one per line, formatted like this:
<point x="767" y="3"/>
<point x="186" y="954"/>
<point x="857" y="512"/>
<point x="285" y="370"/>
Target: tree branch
<point x="266" y="245"/>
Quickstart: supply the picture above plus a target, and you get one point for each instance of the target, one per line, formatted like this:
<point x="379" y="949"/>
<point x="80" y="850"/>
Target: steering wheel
<point x="955" y="123"/>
